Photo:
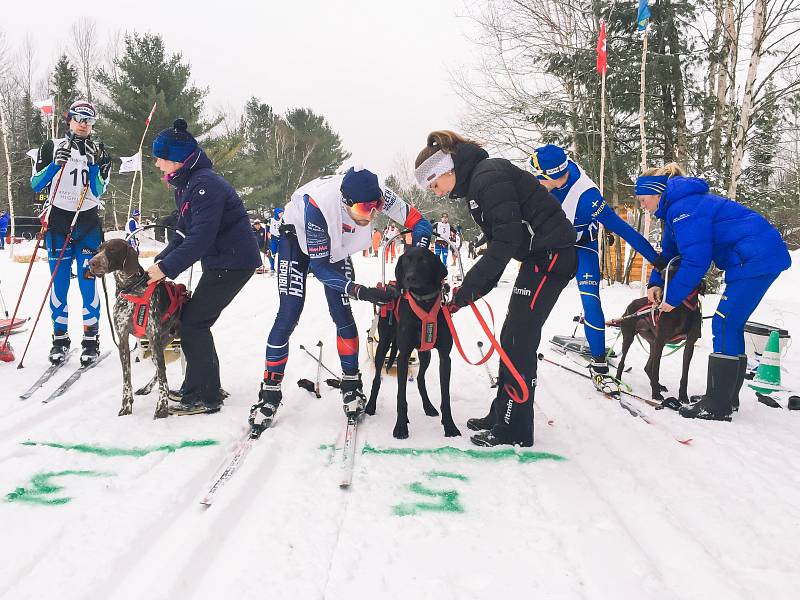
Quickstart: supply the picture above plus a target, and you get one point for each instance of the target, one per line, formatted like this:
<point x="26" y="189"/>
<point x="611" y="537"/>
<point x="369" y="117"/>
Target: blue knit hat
<point x="360" y="185"/>
<point x="175" y="143"/>
<point x="548" y="162"/>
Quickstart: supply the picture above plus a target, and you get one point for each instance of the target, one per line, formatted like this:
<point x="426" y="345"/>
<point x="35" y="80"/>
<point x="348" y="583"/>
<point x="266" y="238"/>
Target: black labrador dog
<point x="420" y="276"/>
<point x="116" y="256"/>
<point x="684" y="322"/>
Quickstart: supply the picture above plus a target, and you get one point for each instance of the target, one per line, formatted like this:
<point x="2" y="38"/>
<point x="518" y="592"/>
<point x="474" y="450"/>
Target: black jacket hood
<point x="465" y="159"/>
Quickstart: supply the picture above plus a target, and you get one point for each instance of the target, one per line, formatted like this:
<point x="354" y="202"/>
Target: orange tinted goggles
<point x="365" y="209"/>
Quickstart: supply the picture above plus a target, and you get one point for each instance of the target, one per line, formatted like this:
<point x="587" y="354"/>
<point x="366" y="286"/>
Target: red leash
<point x="494" y="345"/>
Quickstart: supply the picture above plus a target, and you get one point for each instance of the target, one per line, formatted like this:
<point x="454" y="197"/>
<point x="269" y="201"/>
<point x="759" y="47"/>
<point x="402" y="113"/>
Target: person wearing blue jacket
<point x="213" y="228"/>
<point x="586" y="209"/>
<point x="4" y="220"/>
<point x="701" y="227"/>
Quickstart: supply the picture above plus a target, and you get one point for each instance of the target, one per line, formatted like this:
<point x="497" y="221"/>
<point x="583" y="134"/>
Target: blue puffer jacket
<point x="702" y="227"/>
<point x="213" y="218"/>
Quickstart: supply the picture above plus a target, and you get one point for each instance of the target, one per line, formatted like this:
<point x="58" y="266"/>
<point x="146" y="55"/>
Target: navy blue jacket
<point x="702" y="227"/>
<point x="214" y="221"/>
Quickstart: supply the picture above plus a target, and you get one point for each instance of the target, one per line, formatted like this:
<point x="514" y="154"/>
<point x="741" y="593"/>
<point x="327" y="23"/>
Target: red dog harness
<point x="428" y="320"/>
<point x="177" y="294"/>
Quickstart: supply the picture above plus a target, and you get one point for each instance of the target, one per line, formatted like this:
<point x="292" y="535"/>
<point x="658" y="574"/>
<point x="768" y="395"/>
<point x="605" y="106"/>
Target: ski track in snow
<point x="630" y="513"/>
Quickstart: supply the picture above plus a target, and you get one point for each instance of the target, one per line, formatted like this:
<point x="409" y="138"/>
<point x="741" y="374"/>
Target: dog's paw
<point x="370" y="408"/>
<point x="450" y="430"/>
<point x="142" y="391"/>
<point x="400" y="431"/>
<point x="663" y="388"/>
<point x="161" y="413"/>
<point x="127" y="409"/>
<point x="430" y="410"/>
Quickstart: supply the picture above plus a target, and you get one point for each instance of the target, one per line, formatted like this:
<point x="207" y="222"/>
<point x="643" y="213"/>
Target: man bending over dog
<point x="326" y="221"/>
<point x="216" y="231"/>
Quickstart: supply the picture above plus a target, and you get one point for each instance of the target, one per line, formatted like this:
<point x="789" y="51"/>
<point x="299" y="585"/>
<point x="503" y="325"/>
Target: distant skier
<point x="4" y="220"/>
<point x="260" y="233"/>
<point x="131" y="227"/>
<point x="701" y="227"/>
<point x="326" y="221"/>
<point x="440" y="244"/>
<point x="585" y="207"/>
<point x="82" y="169"/>
<point x="274" y="235"/>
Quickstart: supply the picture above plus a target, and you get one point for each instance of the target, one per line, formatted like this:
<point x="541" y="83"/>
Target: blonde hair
<point x="670" y="170"/>
<point x="443" y="140"/>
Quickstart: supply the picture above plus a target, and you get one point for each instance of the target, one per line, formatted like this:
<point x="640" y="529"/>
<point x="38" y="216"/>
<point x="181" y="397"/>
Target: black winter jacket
<point x="518" y="216"/>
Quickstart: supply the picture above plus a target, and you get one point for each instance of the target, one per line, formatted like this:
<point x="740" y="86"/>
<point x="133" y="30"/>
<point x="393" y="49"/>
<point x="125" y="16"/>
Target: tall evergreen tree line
<point x="265" y="155"/>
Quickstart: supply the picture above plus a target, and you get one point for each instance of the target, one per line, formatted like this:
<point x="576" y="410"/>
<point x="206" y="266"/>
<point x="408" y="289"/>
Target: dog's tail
<point x="392" y="355"/>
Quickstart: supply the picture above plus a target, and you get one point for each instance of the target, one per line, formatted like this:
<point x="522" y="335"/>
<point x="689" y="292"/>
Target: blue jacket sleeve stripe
<point x="42" y="179"/>
<point x="96" y="181"/>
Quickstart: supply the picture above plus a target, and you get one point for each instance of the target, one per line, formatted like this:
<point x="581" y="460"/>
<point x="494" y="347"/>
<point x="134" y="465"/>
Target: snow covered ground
<point x="100" y="506"/>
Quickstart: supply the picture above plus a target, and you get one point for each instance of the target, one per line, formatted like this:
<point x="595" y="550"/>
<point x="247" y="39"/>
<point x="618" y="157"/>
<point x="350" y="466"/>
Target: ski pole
<point x="39" y="239"/>
<point x="3" y="303"/>
<point x="319" y="370"/>
<point x="55" y="271"/>
<point x="492" y="378"/>
<point x="319" y="361"/>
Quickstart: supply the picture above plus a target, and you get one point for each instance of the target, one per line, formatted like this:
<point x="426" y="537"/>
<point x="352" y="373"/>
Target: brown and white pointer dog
<point x="116" y="256"/>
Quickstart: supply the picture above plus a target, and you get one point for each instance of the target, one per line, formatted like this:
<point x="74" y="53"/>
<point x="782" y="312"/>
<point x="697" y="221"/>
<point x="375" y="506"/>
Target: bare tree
<point x="84" y="53"/>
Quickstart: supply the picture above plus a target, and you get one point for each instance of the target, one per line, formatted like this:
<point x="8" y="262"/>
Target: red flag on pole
<point x="602" y="57"/>
<point x="150" y="116"/>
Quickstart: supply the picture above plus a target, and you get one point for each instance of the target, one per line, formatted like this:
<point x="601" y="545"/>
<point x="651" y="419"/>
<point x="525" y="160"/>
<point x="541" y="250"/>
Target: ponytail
<point x="672" y="169"/>
<point x="443" y="140"/>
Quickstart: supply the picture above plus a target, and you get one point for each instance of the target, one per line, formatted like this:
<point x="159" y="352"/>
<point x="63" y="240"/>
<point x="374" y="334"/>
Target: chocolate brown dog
<point x="160" y="327"/>
<point x="420" y="276"/>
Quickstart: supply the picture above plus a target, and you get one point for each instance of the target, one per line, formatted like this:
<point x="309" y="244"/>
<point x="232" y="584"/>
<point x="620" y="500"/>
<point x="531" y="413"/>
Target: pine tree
<point x="64" y="89"/>
<point x="147" y="73"/>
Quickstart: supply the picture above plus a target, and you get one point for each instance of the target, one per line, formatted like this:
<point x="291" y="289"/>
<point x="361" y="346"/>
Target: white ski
<point x="48" y="373"/>
<point x="76" y="374"/>
<point x="348" y="456"/>
<point x="237" y="456"/>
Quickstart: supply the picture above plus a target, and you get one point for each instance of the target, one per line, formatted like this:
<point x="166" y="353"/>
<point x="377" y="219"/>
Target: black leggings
<point x="215" y="290"/>
<point x="539" y="283"/>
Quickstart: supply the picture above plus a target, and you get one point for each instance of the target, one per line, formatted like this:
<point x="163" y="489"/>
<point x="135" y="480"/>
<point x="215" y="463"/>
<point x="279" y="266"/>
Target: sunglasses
<point x="84" y="119"/>
<point x="365" y="209"/>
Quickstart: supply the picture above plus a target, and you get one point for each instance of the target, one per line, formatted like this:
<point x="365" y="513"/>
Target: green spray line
<point x="110" y="452"/>
<point x="43" y="489"/>
<point x="448" y="501"/>
<point x="446" y="475"/>
<point x="494" y="454"/>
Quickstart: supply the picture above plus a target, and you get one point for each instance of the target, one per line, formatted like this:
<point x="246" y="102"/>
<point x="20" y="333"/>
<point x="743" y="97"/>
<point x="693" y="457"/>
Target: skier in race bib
<point x="130" y="227"/>
<point x="440" y="244"/>
<point x="77" y="170"/>
<point x="585" y="207"/>
<point x="326" y="221"/>
<point x="274" y="235"/>
<point x="701" y="227"/>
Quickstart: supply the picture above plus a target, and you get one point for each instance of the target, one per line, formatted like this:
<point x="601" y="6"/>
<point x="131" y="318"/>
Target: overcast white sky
<point x="377" y="70"/>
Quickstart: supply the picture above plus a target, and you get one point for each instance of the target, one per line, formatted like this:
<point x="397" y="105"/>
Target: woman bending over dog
<point x="702" y="227"/>
<point x="520" y="220"/>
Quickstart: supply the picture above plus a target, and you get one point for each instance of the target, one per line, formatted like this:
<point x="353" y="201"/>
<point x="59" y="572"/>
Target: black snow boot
<point x="483" y="423"/>
<point x="353" y="397"/>
<point x="262" y="413"/>
<point x="739" y="381"/>
<point x="61" y="343"/>
<point x="717" y="403"/>
<point x="90" y="346"/>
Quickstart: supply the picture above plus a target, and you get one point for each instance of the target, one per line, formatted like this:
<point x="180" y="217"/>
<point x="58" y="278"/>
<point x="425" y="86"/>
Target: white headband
<point x="434" y="167"/>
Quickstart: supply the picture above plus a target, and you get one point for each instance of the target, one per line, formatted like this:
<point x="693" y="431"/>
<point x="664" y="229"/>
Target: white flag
<point x="33" y="153"/>
<point x="131" y="163"/>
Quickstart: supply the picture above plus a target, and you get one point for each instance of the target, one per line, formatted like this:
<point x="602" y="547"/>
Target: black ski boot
<point x="262" y="413"/>
<point x="717" y="403"/>
<point x="603" y="382"/>
<point x="482" y="423"/>
<point x="91" y="347"/>
<point x="353" y="397"/>
<point x="61" y="343"/>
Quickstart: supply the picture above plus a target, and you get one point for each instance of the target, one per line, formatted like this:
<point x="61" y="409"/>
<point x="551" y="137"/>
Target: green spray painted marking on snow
<point x="43" y="490"/>
<point x="110" y="452"/>
<point x="448" y="499"/>
<point x="495" y="454"/>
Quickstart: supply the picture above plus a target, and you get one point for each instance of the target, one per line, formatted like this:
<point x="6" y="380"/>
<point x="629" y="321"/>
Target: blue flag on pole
<point x="644" y="14"/>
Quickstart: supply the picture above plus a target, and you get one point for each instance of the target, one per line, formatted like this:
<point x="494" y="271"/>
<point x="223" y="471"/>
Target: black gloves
<point x="376" y="295"/>
<point x="62" y="155"/>
<point x="462" y="296"/>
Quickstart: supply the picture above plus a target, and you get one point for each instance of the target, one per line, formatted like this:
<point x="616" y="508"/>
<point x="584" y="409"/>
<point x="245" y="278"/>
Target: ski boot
<point x="482" y="423"/>
<point x="263" y="412"/>
<point x="61" y="343"/>
<point x="353" y="395"/>
<point x="90" y="347"/>
<point x="721" y="386"/>
<point x="603" y="382"/>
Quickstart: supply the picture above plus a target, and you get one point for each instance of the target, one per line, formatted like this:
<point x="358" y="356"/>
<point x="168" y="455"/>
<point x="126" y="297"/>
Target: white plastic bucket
<point x="757" y="334"/>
